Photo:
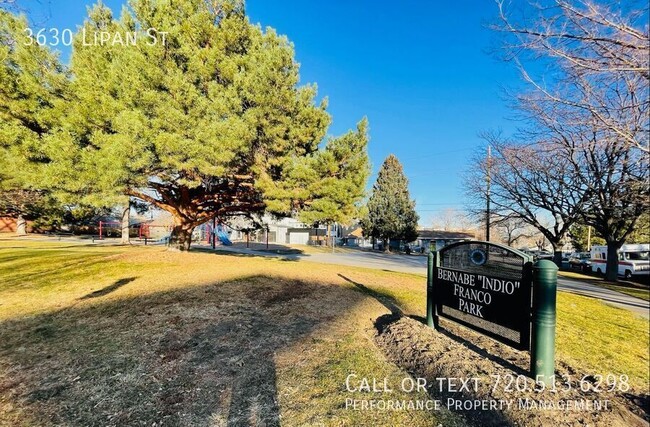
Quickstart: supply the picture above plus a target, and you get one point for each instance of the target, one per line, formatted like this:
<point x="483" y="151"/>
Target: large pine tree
<point x="210" y="124"/>
<point x="391" y="212"/>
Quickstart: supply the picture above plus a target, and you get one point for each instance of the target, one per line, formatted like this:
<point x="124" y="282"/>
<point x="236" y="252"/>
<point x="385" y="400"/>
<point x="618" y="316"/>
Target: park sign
<point x="486" y="287"/>
<point x="497" y="291"/>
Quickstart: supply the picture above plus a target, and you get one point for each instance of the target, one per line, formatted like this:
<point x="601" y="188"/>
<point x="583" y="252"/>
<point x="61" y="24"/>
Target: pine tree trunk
<point x="21" y="226"/>
<point x="181" y="237"/>
<point x="612" y="262"/>
<point x="126" y="217"/>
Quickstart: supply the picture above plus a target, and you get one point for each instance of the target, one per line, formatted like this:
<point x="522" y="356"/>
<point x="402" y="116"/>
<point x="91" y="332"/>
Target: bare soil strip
<point x="457" y="352"/>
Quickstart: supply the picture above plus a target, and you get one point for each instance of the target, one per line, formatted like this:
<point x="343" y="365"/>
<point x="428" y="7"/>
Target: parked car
<point x="565" y="263"/>
<point x="580" y="261"/>
<point x="418" y="249"/>
<point x="538" y="255"/>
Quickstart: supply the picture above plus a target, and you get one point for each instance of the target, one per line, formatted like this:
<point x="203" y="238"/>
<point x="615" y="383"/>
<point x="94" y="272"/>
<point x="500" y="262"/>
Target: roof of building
<point x="444" y="234"/>
<point x="356" y="233"/>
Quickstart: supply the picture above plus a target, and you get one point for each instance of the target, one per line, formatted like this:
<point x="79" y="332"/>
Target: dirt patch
<point x="456" y="352"/>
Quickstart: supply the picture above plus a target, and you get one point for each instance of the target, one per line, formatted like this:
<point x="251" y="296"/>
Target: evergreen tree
<point x="104" y="165"/>
<point x="33" y="90"/>
<point x="391" y="212"/>
<point x="211" y="123"/>
<point x="337" y="180"/>
<point x="580" y="238"/>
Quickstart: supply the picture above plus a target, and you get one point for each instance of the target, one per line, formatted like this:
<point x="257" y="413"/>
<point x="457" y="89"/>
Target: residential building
<point x="430" y="239"/>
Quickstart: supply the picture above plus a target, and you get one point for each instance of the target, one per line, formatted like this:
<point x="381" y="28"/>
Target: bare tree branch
<point x="596" y="62"/>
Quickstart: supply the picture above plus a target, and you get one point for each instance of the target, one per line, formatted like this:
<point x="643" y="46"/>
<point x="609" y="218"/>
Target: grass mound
<point x="456" y="352"/>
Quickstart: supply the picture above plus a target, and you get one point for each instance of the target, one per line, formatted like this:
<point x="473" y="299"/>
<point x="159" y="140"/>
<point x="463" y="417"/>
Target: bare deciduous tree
<point x="605" y="166"/>
<point x="451" y="220"/>
<point x="512" y="230"/>
<point x="596" y="62"/>
<point x="21" y="204"/>
<point x="8" y="4"/>
<point x="589" y="102"/>
<point x="534" y="183"/>
<point x="618" y="179"/>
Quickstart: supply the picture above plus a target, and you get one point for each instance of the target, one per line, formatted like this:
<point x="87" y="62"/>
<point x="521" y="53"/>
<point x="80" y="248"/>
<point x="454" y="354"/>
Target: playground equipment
<point x="150" y="232"/>
<point x="222" y="235"/>
<point x="107" y="227"/>
<point x="211" y="232"/>
<point x="217" y="231"/>
<point x="162" y="233"/>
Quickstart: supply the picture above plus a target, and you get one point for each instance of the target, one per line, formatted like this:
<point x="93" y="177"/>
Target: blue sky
<point x="417" y="69"/>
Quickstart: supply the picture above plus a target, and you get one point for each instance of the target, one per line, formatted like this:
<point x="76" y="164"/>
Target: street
<point x="417" y="265"/>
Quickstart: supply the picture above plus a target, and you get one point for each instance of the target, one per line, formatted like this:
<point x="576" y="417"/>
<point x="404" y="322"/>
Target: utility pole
<point x="487" y="193"/>
<point x="589" y="238"/>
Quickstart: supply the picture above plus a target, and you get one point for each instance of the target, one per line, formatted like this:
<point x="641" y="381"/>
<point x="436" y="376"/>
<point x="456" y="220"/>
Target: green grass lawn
<point x="94" y="335"/>
<point x="635" y="289"/>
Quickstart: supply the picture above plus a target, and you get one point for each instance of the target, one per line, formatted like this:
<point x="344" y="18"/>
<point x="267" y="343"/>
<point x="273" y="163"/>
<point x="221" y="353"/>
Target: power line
<point x="439" y="204"/>
<point x="442" y="153"/>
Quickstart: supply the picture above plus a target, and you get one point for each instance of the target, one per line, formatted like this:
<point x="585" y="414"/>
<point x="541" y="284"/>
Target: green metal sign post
<point x="431" y="262"/>
<point x="542" y="353"/>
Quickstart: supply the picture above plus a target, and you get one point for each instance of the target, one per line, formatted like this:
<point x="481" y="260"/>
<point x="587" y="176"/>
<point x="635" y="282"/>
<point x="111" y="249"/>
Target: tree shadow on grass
<point x="197" y="356"/>
<point x="258" y="249"/>
<point x="386" y="300"/>
<point x="46" y="248"/>
<point x="108" y="289"/>
<point x="59" y="271"/>
<point x="253" y="254"/>
<point x="43" y="254"/>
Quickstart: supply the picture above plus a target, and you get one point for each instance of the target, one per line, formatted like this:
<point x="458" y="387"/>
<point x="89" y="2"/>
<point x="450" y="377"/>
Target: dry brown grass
<point x="128" y="336"/>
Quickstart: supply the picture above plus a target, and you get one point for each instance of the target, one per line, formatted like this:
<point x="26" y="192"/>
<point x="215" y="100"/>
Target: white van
<point x="632" y="260"/>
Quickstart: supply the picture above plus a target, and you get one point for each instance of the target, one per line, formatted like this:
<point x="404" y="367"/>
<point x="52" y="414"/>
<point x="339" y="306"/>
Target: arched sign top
<point x="517" y="252"/>
<point x="484" y="258"/>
